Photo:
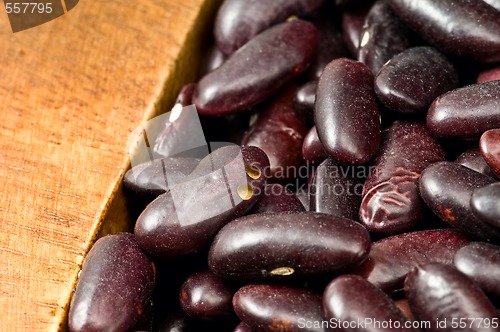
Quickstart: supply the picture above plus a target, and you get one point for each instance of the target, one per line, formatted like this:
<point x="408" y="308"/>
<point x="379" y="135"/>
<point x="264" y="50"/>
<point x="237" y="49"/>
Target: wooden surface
<point x="71" y="91"/>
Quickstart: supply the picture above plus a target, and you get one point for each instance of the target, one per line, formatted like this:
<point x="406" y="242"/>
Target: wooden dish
<point x="71" y="92"/>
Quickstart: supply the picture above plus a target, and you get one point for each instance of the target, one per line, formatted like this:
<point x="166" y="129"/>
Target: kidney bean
<point x="304" y="100"/>
<point x="346" y="113"/>
<point x="187" y="217"/>
<point x="151" y="179"/>
<point x="481" y="262"/>
<point x="277" y="198"/>
<point x="350" y="298"/>
<point x="212" y="60"/>
<point x="243" y="327"/>
<point x="411" y="80"/>
<point x="438" y="292"/>
<point x="279" y="131"/>
<point x="462" y="27"/>
<point x="312" y="149"/>
<point x="490" y="148"/>
<point x="392" y="258"/>
<point x="473" y="159"/>
<point x="238" y="21"/>
<point x="485" y="204"/>
<point x="491" y="74"/>
<point x="447" y="188"/>
<point x="277" y="308"/>
<point x="278" y="245"/>
<point x="283" y="52"/>
<point x="334" y="192"/>
<point x="353" y="19"/>
<point x="391" y="198"/>
<point x="466" y="112"/>
<point x="206" y="296"/>
<point x="383" y="36"/>
<point x="114" y="286"/>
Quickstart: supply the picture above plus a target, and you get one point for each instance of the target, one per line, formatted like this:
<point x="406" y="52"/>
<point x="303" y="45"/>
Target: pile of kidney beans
<point x="362" y="185"/>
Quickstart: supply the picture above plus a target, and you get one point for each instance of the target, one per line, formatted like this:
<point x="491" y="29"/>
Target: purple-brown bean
<point x="463" y="27"/>
<point x="273" y="308"/>
<point x="257" y="70"/>
<point x="350" y="298"/>
<point x="447" y="188"/>
<point x="390" y="259"/>
<point x="238" y="21"/>
<point x="346" y="114"/>
<point x="282" y="245"/>
<point x="466" y="112"/>
<point x="383" y="36"/>
<point x="412" y="79"/>
<point x="225" y="185"/>
<point x="438" y="292"/>
<point x="481" y="262"/>
<point x="114" y="286"/>
<point x="391" y="198"/>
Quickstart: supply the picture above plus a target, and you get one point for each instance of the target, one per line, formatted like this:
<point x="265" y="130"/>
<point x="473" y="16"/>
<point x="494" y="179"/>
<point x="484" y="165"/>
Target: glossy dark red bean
<point x="489" y="145"/>
<point x="448" y="299"/>
<point x="243" y="327"/>
<point x="279" y="245"/>
<point x="474" y="160"/>
<point x="283" y="52"/>
<point x="485" y="204"/>
<point x="383" y="36"/>
<point x="277" y="198"/>
<point x="305" y="98"/>
<point x="447" y="188"/>
<point x="346" y="114"/>
<point x="481" y="262"/>
<point x="212" y="60"/>
<point x="392" y="258"/>
<point x="411" y="80"/>
<point x="238" y="21"/>
<point x="335" y="192"/>
<point x="391" y="198"/>
<point x="350" y="298"/>
<point x="353" y="19"/>
<point x="225" y="185"/>
<point x="463" y="27"/>
<point x="151" y="179"/>
<point x="466" y="112"/>
<point x="114" y="286"/>
<point x="279" y="131"/>
<point x="491" y="74"/>
<point x="204" y="295"/>
<point x="312" y="148"/>
<point x="272" y="308"/>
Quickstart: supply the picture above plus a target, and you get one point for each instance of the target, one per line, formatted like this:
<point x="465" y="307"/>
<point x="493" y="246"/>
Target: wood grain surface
<point x="71" y="91"/>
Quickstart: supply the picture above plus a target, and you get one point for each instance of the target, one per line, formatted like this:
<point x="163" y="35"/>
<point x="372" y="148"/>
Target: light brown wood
<point x="71" y="91"/>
